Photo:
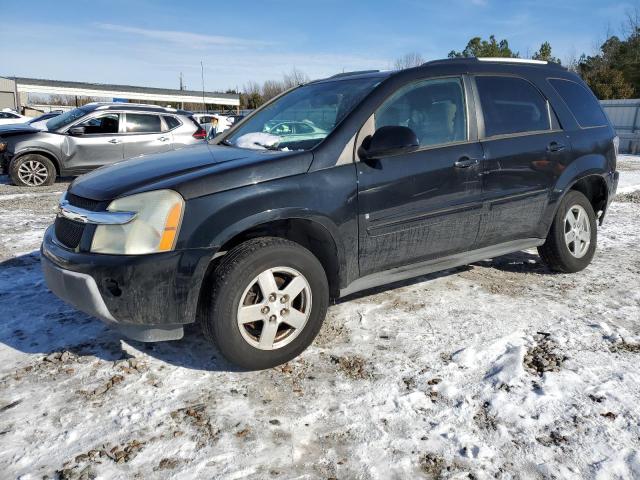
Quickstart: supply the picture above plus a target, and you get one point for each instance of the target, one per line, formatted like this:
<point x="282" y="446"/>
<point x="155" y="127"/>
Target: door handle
<point x="466" y="162"/>
<point x="115" y="141"/>
<point x="163" y="139"/>
<point x="555" y="147"/>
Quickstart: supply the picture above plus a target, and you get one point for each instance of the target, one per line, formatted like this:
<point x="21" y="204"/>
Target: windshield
<point x="301" y="119"/>
<point x="66" y="118"/>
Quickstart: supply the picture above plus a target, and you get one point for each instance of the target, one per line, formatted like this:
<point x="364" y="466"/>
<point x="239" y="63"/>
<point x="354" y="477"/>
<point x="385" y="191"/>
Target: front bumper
<point x="146" y="297"/>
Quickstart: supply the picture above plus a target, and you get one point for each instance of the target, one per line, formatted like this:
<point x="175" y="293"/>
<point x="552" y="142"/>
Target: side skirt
<point x="429" y="266"/>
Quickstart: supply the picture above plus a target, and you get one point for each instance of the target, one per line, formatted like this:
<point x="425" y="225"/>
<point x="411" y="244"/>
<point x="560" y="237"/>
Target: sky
<point x="149" y="43"/>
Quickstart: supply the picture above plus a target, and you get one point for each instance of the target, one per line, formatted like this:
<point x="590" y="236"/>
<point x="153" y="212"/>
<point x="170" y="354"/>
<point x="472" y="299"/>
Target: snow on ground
<point x="499" y="369"/>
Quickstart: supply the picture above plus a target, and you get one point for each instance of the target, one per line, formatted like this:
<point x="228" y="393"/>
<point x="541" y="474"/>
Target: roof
<point x="461" y="61"/>
<point x="133" y="106"/>
<point x="38" y="85"/>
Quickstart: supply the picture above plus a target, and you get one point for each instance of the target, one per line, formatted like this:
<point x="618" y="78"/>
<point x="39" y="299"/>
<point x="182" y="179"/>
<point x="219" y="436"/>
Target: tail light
<point x="200" y="134"/>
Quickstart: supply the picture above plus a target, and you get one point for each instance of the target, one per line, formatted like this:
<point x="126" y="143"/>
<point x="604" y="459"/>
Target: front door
<point x="100" y="144"/>
<point x="145" y="133"/>
<point x="525" y="150"/>
<point x="427" y="203"/>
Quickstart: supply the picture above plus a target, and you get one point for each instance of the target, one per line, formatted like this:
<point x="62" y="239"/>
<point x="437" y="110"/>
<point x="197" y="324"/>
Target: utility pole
<point x="204" y="107"/>
<point x="181" y="89"/>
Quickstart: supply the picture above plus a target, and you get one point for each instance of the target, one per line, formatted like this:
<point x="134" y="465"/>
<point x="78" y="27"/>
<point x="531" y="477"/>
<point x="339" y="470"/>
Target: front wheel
<point x="268" y="302"/>
<point x="571" y="242"/>
<point x="32" y="170"/>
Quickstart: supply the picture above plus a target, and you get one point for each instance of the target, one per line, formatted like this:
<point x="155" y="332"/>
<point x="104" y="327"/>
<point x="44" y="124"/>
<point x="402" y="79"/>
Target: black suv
<point x="400" y="174"/>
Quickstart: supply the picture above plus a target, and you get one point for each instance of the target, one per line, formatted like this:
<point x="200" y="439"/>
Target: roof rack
<point x="512" y="60"/>
<point x="356" y="72"/>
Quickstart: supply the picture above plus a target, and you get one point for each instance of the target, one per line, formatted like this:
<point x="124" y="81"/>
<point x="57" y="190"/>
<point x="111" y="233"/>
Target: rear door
<point x="524" y="151"/>
<point x="427" y="203"/>
<point x="100" y="144"/>
<point x="145" y="133"/>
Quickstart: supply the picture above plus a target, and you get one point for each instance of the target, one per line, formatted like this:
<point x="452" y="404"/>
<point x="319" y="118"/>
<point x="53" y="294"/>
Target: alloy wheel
<point x="33" y="173"/>
<point x="274" y="308"/>
<point x="577" y="231"/>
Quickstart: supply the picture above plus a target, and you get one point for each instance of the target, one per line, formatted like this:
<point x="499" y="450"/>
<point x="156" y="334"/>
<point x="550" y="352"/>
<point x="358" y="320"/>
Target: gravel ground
<point x="500" y="369"/>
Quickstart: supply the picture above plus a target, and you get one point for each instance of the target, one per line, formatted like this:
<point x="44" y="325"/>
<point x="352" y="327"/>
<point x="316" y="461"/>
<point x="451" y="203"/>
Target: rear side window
<point x="172" y="122"/>
<point x="141" y="123"/>
<point x="511" y="105"/>
<point x="582" y="103"/>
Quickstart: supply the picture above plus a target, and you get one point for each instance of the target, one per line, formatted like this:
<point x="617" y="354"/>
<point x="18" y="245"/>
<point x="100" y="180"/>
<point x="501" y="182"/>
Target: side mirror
<point x="76" y="131"/>
<point x="389" y="140"/>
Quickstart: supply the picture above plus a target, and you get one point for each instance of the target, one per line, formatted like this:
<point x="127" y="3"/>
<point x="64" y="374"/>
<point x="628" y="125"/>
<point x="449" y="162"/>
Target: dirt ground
<point x="501" y="369"/>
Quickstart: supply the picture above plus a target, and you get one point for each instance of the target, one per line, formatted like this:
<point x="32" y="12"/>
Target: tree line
<point x="612" y="72"/>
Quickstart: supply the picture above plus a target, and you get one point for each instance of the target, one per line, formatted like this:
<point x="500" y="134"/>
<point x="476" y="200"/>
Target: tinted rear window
<point x="582" y="103"/>
<point x="140" y="123"/>
<point x="511" y="105"/>
<point x="172" y="122"/>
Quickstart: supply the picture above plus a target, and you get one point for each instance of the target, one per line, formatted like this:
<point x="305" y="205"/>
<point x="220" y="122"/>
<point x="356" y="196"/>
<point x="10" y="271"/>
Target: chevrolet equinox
<point x="415" y="171"/>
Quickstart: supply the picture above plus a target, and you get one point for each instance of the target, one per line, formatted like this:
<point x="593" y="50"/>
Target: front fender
<point x="327" y="198"/>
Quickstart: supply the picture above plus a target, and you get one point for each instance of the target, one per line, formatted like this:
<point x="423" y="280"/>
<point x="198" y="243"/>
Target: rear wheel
<point x="32" y="170"/>
<point x="571" y="242"/>
<point x="269" y="299"/>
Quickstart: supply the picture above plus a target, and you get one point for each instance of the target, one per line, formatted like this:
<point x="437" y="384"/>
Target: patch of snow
<point x="257" y="140"/>
<point x="498" y="369"/>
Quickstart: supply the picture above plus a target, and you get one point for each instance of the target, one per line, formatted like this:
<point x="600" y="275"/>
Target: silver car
<point x="88" y="137"/>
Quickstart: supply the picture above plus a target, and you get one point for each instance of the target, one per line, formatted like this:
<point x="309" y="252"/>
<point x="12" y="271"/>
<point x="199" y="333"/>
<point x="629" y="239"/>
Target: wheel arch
<point x="316" y="233"/>
<point x="586" y="175"/>
<point x="44" y="153"/>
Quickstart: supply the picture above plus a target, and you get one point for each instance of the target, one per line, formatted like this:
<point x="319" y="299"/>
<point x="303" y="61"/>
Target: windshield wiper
<point x="226" y="143"/>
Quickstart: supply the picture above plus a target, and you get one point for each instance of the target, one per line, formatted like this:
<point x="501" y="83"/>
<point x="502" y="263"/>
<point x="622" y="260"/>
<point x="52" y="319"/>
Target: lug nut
<point x="284" y="312"/>
<point x="272" y="297"/>
<point x="272" y="318"/>
<point x="284" y="299"/>
<point x="265" y="310"/>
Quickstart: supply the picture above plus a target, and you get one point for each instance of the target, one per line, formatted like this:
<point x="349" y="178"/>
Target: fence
<point x="625" y="118"/>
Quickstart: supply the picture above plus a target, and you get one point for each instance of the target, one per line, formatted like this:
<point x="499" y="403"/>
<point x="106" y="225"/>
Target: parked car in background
<point x="8" y="117"/>
<point x="91" y="136"/>
<point x="40" y="122"/>
<point x="291" y="131"/>
<point x="213" y="123"/>
<point x="417" y="171"/>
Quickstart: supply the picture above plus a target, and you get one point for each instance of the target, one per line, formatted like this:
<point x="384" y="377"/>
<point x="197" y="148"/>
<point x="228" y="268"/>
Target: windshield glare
<point x="65" y="119"/>
<point x="302" y="118"/>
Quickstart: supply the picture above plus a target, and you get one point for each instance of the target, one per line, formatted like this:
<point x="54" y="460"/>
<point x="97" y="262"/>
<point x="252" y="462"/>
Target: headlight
<point x="154" y="228"/>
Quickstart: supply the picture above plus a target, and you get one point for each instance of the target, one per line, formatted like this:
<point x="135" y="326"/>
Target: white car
<point x="9" y="116"/>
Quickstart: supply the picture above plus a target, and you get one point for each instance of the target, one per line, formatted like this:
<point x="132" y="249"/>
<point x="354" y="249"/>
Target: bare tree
<point x="408" y="60"/>
<point x="294" y="78"/>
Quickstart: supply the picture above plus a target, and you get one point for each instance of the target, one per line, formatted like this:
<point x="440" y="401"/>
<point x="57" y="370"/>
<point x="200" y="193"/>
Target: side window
<point x="511" y="105"/>
<point x="172" y="122"/>
<point x="304" y="129"/>
<point x="143" y="123"/>
<point x="582" y="103"/>
<point x="104" y="124"/>
<point x="433" y="109"/>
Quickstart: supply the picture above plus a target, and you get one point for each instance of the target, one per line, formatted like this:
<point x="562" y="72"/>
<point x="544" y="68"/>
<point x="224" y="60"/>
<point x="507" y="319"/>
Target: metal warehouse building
<point x="625" y="118"/>
<point x="14" y="93"/>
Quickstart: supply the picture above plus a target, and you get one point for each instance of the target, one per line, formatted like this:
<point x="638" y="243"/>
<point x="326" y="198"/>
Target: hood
<point x="192" y="171"/>
<point x="16" y="129"/>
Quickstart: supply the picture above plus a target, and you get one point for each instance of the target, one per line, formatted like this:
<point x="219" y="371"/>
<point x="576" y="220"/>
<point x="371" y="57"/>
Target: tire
<point x="242" y="275"/>
<point x="557" y="252"/>
<point x="32" y="170"/>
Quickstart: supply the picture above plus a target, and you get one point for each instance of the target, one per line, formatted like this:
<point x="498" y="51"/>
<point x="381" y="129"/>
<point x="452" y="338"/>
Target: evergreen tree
<point x="477" y="47"/>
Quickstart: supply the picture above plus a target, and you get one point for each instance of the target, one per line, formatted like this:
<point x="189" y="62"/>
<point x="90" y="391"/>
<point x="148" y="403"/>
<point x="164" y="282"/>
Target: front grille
<point x="81" y="202"/>
<point x="69" y="232"/>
